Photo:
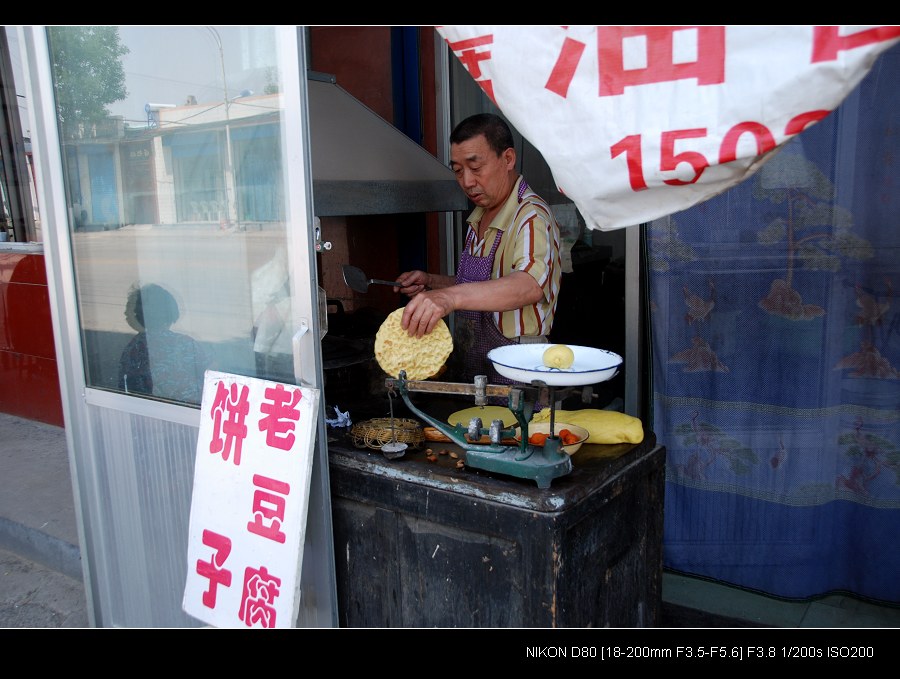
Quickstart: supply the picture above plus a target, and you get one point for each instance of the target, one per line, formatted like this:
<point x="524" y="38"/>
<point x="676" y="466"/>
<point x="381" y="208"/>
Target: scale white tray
<point x="524" y="363"/>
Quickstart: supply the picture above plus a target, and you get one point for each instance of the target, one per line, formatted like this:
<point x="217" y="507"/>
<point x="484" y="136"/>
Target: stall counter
<point x="422" y="543"/>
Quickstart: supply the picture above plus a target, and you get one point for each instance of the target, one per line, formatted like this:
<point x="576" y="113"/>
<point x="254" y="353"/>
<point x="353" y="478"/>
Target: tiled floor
<point x="759" y="610"/>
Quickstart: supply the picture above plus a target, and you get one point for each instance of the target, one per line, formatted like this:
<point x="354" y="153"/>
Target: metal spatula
<point x="357" y="280"/>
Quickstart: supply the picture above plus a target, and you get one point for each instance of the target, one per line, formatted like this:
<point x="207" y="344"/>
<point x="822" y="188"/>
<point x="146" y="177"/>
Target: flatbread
<point x="487" y="414"/>
<point x="421" y="357"/>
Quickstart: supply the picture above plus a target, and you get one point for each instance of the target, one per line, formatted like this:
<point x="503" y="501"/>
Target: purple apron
<point x="475" y="332"/>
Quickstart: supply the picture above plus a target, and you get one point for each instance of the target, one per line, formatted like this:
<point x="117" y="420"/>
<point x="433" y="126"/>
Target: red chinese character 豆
<point x="268" y="506"/>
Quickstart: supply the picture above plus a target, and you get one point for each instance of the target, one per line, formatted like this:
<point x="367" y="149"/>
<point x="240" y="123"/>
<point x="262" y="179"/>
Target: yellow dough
<point x="559" y="356"/>
<point x="487" y="414"/>
<point x="421" y="357"/>
<point x="604" y="426"/>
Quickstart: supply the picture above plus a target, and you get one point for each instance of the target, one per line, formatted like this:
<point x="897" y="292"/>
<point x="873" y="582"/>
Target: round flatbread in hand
<point x="421" y="357"/>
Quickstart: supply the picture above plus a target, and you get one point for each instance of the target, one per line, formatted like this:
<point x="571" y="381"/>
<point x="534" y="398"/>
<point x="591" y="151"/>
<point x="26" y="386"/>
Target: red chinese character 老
<point x="471" y="52"/>
<point x="260" y="590"/>
<point x="268" y="508"/>
<point x="280" y="416"/>
<point x="233" y="403"/>
<point x="213" y="569"/>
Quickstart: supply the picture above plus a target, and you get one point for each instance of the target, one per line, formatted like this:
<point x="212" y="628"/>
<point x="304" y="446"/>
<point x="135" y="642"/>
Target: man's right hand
<point x="412" y="283"/>
<point x="424" y="311"/>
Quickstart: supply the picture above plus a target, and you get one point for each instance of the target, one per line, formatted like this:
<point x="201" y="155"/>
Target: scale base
<point x="526" y="461"/>
<point x="542" y="466"/>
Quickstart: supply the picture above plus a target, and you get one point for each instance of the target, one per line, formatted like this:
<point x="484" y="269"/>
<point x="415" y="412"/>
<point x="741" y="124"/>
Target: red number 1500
<point x="669" y="160"/>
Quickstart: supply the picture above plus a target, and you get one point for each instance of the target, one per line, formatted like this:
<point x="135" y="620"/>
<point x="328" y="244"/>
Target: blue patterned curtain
<point x="776" y="363"/>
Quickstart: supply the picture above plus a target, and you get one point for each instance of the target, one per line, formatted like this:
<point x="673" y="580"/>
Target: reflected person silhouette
<point x="158" y="361"/>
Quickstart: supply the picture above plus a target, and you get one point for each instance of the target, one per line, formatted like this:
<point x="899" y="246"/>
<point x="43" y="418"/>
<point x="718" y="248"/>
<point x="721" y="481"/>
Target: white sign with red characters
<point x="638" y="122"/>
<point x="250" y="502"/>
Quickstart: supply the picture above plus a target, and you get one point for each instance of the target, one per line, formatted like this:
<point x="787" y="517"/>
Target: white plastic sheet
<point x="638" y="122"/>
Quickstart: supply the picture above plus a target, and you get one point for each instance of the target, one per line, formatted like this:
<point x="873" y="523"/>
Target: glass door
<point x="177" y="175"/>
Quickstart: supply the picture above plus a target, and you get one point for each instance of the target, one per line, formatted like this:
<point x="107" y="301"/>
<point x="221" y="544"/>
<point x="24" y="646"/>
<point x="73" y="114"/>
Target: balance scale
<point x="541" y="385"/>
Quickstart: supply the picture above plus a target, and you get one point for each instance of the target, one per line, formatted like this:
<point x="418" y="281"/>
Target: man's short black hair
<point x="493" y="127"/>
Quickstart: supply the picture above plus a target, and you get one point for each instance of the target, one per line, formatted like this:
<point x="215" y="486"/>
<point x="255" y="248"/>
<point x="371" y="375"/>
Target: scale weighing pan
<point x="525" y="363"/>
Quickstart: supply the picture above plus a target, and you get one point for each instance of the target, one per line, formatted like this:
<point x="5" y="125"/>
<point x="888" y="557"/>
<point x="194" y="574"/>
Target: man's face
<point x="483" y="175"/>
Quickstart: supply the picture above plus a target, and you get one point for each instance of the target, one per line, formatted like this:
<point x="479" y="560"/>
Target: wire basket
<point x="376" y="433"/>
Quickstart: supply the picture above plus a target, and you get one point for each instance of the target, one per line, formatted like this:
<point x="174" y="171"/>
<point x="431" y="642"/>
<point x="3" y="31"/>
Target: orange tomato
<point x="568" y="437"/>
<point x="537" y="439"/>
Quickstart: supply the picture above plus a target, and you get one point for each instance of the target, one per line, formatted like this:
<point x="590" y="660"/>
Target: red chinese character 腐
<point x="268" y="508"/>
<point x="233" y="403"/>
<point x="213" y="569"/>
<point x="260" y="590"/>
<point x="280" y="416"/>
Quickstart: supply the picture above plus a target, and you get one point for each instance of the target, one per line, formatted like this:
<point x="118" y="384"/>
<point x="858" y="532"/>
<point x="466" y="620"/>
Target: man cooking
<point x="507" y="281"/>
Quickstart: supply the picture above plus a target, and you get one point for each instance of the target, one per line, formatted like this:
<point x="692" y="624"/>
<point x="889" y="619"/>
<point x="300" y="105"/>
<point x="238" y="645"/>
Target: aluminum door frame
<point x="318" y="605"/>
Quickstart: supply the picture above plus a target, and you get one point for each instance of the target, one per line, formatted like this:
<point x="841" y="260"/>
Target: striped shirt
<point x="531" y="244"/>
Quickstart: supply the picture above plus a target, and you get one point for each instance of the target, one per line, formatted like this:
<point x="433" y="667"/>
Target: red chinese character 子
<point x="828" y="42"/>
<point x="234" y="404"/>
<point x="706" y="43"/>
<point x="280" y="416"/>
<point x="260" y="590"/>
<point x="471" y="52"/>
<point x="268" y="506"/>
<point x="213" y="569"/>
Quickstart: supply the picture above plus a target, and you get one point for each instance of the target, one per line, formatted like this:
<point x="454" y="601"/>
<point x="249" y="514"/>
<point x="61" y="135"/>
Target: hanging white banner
<point x="638" y="122"/>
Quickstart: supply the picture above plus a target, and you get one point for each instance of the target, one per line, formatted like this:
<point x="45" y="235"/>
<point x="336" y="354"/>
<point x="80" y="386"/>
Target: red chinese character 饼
<point x="213" y="569"/>
<point x="230" y="401"/>
<point x="268" y="506"/>
<point x="260" y="590"/>
<point x="278" y="415"/>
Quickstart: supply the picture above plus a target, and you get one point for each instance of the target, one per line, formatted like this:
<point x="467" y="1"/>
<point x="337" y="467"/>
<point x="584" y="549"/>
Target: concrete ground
<point x="32" y="595"/>
<point x="41" y="582"/>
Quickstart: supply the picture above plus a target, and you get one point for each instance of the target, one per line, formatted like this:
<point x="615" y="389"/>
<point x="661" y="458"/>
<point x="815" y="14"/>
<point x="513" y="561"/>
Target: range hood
<point x="363" y="165"/>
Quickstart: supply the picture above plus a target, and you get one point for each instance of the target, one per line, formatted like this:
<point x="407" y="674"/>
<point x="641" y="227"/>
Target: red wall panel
<point x="29" y="378"/>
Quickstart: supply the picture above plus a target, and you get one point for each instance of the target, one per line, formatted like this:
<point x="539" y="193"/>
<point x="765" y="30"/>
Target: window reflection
<point x="172" y="143"/>
<point x="158" y="360"/>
